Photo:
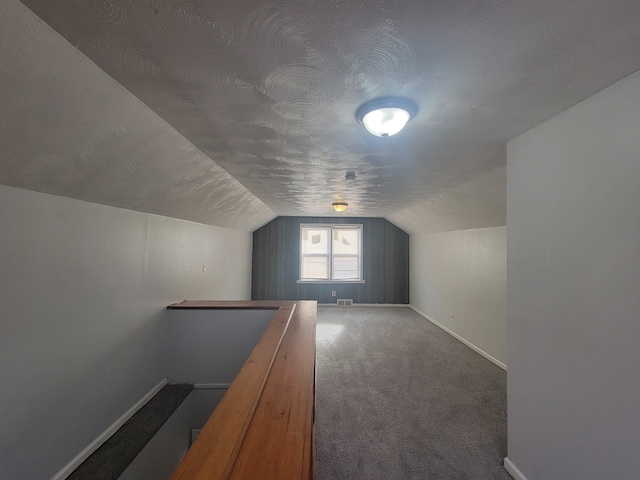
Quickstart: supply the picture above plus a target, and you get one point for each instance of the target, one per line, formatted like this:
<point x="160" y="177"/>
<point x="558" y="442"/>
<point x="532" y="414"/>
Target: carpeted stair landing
<point x="117" y="453"/>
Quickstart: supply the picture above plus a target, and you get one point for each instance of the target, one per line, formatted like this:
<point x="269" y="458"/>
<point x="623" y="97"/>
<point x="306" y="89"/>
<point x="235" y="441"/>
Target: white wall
<point x="573" y="216"/>
<point x="210" y="346"/>
<point x="163" y="453"/>
<point x="83" y="325"/>
<point x="463" y="273"/>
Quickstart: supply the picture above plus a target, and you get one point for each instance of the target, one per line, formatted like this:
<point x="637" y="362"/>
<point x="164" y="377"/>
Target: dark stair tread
<point x="117" y="453"/>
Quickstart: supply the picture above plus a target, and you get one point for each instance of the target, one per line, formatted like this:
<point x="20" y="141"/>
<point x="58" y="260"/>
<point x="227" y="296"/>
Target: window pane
<point x="331" y="252"/>
<point x="316" y="267"/>
<point x="346" y="267"/>
<point x="346" y="241"/>
<point x="315" y="240"/>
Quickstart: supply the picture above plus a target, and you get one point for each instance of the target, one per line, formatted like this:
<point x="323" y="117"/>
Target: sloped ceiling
<point x="478" y="203"/>
<point x="229" y="113"/>
<point x="67" y="128"/>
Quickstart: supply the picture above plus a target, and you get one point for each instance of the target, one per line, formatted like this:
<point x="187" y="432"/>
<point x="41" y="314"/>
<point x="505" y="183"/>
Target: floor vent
<point x="345" y="302"/>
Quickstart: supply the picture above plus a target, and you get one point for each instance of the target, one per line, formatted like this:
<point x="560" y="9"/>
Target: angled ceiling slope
<point x="268" y="92"/>
<point x="69" y="129"/>
<point x="478" y="203"/>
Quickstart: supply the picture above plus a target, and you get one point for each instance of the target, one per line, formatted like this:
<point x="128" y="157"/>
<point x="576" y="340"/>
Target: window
<point x="330" y="253"/>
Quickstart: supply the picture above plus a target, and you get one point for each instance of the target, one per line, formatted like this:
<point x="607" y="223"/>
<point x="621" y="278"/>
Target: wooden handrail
<point x="264" y="426"/>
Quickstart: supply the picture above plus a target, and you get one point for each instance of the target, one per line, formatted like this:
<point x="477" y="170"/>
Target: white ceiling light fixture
<point x="384" y="117"/>
<point x="339" y="206"/>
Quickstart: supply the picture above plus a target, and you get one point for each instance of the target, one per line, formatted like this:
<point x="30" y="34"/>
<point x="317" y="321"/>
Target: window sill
<point x="340" y="282"/>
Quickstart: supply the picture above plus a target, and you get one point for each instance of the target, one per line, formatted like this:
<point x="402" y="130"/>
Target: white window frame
<point x="330" y="256"/>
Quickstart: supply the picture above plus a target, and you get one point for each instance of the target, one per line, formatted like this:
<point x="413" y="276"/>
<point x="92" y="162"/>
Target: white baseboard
<point x="104" y="436"/>
<point x="513" y="470"/>
<point x="211" y="386"/>
<point x="406" y="305"/>
<point x="462" y="339"/>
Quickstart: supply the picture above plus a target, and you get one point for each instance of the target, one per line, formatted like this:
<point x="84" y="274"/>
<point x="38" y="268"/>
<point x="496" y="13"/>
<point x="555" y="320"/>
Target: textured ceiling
<point x="477" y="203"/>
<point x="268" y="92"/>
<point x="67" y="128"/>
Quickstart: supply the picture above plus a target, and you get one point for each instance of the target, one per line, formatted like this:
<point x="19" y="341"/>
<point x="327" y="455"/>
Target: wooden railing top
<point x="264" y="426"/>
<point x="229" y="304"/>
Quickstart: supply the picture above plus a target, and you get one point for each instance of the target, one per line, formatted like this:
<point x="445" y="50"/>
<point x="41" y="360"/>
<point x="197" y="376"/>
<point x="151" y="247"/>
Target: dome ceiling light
<point x="384" y="117"/>
<point x="339" y="206"/>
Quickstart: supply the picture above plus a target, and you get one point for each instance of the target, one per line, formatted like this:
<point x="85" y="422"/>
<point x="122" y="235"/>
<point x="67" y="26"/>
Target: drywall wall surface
<point x="83" y="330"/>
<point x="573" y="292"/>
<point x="210" y="346"/>
<point x="161" y="456"/>
<point x="458" y="279"/>
<point x="203" y="402"/>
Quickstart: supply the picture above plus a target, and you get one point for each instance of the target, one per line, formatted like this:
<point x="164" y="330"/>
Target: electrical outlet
<point x="333" y="293"/>
<point x="452" y="318"/>
<point x="204" y="266"/>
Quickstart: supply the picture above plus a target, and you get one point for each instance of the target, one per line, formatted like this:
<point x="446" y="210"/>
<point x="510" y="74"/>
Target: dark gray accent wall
<point x="276" y="257"/>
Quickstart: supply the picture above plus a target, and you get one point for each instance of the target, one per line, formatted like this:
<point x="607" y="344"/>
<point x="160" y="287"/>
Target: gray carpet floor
<point x="398" y="398"/>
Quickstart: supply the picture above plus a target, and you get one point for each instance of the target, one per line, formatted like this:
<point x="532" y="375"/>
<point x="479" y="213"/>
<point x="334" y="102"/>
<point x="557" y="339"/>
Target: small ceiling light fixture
<point x="386" y="116"/>
<point x="339" y="206"/>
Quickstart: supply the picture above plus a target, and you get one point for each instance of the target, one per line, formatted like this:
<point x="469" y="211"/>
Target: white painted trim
<point x="405" y="305"/>
<point x="462" y="339"/>
<point x="334" y="282"/>
<point x="211" y="386"/>
<point x="513" y="470"/>
<point x="108" y="433"/>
